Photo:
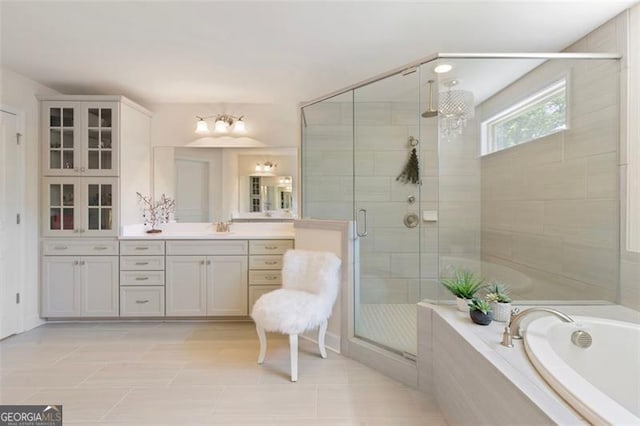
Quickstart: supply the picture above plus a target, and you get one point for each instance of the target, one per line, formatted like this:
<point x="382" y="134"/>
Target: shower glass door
<point x="386" y="194"/>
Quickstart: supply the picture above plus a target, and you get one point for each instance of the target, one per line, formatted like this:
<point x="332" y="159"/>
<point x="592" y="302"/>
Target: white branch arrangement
<point x="156" y="212"/>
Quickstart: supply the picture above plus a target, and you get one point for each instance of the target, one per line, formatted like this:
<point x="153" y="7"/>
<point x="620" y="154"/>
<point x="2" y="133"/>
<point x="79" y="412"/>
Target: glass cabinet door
<point x="99" y="209"/>
<point x="101" y="135"/>
<point x="61" y="141"/>
<point x="61" y="207"/>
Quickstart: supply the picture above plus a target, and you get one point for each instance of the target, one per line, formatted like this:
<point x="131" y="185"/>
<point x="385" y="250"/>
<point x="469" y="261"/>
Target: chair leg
<point x="321" y="333"/>
<point x="293" y="349"/>
<point x="262" y="337"/>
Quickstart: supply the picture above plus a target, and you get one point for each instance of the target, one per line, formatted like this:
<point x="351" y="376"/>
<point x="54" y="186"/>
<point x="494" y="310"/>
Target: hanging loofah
<point x="411" y="172"/>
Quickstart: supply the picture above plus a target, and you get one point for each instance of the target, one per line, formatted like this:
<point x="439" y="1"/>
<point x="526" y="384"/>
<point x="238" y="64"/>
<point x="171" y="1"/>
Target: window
<point x="537" y="116"/>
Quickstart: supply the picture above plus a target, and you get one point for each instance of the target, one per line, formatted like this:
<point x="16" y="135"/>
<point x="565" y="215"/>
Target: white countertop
<point x="207" y="231"/>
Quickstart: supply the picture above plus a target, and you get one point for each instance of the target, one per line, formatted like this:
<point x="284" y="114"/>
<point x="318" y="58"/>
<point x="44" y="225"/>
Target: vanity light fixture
<point x="223" y="124"/>
<point x="266" y="167"/>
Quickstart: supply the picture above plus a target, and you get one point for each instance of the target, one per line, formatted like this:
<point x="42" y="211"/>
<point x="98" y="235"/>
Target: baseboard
<point x="331" y="340"/>
<point x="32" y="321"/>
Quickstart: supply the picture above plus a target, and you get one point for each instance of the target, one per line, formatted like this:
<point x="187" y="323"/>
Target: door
<point x="11" y="239"/>
<point x="192" y="190"/>
<point x="100" y="153"/>
<point x="186" y="286"/>
<point x="99" y="277"/>
<point x="99" y="207"/>
<point x="386" y="197"/>
<point x="61" y="290"/>
<point x="60" y="213"/>
<point x="61" y="139"/>
<point x="227" y="285"/>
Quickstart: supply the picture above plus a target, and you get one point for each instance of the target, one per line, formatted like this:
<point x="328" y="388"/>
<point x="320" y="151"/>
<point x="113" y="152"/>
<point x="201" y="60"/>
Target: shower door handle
<point x="364" y="222"/>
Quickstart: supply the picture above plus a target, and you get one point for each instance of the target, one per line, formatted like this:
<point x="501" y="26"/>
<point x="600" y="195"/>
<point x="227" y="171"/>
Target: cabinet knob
<point x="75" y="262"/>
<point x="60" y="247"/>
<point x="100" y="248"/>
<point x="270" y="262"/>
<point x="208" y="262"/>
<point x="142" y="263"/>
<point x="202" y="262"/>
<point x="142" y="302"/>
<point x="142" y="278"/>
<point x="82" y="169"/>
<point x="142" y="248"/>
<point x="271" y="278"/>
<point x="270" y="247"/>
<point x="82" y="262"/>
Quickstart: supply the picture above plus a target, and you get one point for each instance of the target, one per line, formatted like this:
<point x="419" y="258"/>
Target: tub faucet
<point x="512" y="330"/>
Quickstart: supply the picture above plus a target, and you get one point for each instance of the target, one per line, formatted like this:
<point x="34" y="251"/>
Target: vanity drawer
<point x="142" y="301"/>
<point x="142" y="247"/>
<point x="79" y="247"/>
<point x="142" y="263"/>
<point x="207" y="248"/>
<point x="142" y="278"/>
<point x="265" y="278"/>
<point x="265" y="262"/>
<point x="269" y="246"/>
<point x="256" y="291"/>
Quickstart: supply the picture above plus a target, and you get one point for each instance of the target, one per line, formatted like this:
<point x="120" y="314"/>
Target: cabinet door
<point x="186" y="286"/>
<point x="99" y="286"/>
<point x="100" y="156"/>
<point x="60" y="212"/>
<point x="60" y="287"/>
<point x="100" y="207"/>
<point x="255" y="291"/>
<point x="61" y="123"/>
<point x="227" y="285"/>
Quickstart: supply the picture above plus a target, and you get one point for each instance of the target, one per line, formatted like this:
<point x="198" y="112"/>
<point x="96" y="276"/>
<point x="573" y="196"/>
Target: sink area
<point x="206" y="230"/>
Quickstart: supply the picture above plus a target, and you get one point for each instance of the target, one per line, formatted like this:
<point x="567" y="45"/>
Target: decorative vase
<point x="462" y="304"/>
<point x="501" y="311"/>
<point x="479" y="318"/>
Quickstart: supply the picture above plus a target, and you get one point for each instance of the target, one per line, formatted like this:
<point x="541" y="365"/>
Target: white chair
<point x="310" y="283"/>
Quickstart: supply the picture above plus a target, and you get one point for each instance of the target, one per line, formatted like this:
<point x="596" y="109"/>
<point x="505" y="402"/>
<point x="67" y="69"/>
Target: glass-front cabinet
<point x="80" y="138"/>
<point x="80" y="207"/>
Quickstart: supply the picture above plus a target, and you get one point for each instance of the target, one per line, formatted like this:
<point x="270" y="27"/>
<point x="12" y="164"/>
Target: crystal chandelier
<point x="454" y="110"/>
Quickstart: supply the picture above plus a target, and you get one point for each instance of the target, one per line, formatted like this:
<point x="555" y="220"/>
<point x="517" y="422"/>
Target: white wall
<point x="272" y="124"/>
<point x="20" y="93"/>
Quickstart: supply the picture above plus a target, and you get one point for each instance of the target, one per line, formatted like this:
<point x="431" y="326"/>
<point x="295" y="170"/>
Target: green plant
<point x="477" y="304"/>
<point x="497" y="292"/>
<point x="465" y="284"/>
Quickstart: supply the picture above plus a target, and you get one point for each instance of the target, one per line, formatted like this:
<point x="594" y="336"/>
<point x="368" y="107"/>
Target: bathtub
<point x="601" y="382"/>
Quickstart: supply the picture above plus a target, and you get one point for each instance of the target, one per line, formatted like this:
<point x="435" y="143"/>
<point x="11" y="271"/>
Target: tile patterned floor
<point x="194" y="373"/>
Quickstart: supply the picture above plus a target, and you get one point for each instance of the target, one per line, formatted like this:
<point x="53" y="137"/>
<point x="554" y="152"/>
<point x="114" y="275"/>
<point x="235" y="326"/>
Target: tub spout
<point x="513" y="328"/>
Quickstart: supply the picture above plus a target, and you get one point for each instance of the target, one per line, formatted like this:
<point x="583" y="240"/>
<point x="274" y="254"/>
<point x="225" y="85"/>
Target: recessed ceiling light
<point x="442" y="68"/>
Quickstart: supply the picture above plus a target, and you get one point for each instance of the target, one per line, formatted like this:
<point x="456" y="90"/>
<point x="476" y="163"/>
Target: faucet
<point x="512" y="329"/>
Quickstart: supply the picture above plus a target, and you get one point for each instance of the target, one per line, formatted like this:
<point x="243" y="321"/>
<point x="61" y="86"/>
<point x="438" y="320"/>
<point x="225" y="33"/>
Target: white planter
<point x="501" y="311"/>
<point x="462" y="304"/>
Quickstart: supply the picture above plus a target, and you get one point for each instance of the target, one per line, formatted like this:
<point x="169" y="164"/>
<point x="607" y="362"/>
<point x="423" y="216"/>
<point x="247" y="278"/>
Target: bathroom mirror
<point x="212" y="184"/>
<point x="266" y="194"/>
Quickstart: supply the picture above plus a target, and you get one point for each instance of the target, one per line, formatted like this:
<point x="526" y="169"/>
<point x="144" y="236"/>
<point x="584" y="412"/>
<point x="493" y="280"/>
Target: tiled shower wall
<point x="376" y="149"/>
<point x="550" y="214"/>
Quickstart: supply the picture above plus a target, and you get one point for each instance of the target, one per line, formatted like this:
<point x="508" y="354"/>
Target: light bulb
<point x="221" y="126"/>
<point x="202" y="127"/>
<point x="239" y="126"/>
<point x="443" y="68"/>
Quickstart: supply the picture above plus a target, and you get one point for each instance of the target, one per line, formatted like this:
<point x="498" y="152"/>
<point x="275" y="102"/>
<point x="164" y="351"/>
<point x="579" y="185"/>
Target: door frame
<point x="22" y="186"/>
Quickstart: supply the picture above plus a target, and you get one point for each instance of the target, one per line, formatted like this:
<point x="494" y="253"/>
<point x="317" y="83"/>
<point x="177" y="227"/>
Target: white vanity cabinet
<point x="80" y="280"/>
<point x="84" y="207"/>
<point x="206" y="278"/>
<point x="80" y="138"/>
<point x="265" y="265"/>
<point x="142" y="270"/>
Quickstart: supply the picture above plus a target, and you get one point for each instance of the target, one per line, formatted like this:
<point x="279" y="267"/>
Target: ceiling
<point x="266" y="51"/>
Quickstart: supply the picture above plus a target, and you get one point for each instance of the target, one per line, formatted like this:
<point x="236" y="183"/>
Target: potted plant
<point x="480" y="311"/>
<point x="464" y="285"/>
<point x="156" y="212"/>
<point x="498" y="298"/>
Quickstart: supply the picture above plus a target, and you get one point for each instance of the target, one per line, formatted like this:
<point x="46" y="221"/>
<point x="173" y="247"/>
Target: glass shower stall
<point x="502" y="165"/>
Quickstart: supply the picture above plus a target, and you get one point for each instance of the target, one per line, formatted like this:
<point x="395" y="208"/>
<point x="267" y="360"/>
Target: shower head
<point x="431" y="111"/>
